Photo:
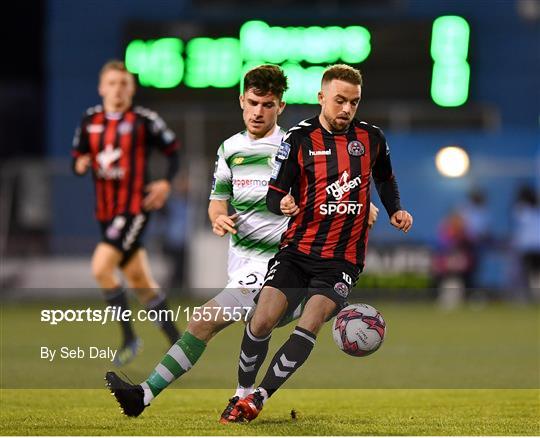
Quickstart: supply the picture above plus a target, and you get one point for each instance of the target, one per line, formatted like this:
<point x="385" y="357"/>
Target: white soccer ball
<point x="359" y="330"/>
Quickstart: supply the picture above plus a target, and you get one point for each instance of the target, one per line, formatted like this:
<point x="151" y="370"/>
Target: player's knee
<point x="313" y="320"/>
<point x="102" y="273"/>
<point x="203" y="330"/>
<point x="263" y="325"/>
<point x="138" y="279"/>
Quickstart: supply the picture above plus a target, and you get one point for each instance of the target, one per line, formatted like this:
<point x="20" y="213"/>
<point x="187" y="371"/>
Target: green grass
<point x="319" y="412"/>
<point x="468" y="372"/>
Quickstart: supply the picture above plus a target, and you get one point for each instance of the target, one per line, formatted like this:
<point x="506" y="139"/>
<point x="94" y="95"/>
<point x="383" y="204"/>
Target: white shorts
<point x="246" y="277"/>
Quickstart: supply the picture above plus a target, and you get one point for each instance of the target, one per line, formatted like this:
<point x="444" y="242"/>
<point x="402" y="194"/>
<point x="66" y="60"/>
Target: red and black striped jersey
<point x="119" y="145"/>
<point x="329" y="176"/>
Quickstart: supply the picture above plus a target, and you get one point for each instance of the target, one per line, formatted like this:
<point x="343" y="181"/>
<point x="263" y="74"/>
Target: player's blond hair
<point x="342" y="72"/>
<point x="113" y="64"/>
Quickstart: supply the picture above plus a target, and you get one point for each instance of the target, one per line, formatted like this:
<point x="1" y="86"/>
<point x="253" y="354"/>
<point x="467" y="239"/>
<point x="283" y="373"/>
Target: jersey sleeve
<point x="222" y="182"/>
<point x="80" y="145"/>
<point x="286" y="167"/>
<point x="160" y="136"/>
<point x="384" y="178"/>
<point x="285" y="172"/>
<point x="164" y="139"/>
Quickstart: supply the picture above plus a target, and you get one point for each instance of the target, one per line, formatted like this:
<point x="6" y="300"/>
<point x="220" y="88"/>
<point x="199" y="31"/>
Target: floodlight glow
<point x="449" y="50"/>
<point x="158" y="63"/>
<point x="213" y="63"/>
<point x="314" y="44"/>
<point x="452" y="161"/>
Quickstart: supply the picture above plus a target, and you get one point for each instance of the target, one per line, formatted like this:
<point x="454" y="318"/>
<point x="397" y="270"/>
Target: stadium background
<point x="50" y="80"/>
<point x="47" y="228"/>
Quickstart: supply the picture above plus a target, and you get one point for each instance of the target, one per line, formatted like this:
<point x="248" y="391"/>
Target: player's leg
<point x="327" y="294"/>
<point x="188" y="349"/>
<point x="180" y="358"/>
<point x="285" y="288"/>
<point x="105" y="261"/>
<point x="136" y="270"/>
<point x="289" y="358"/>
<point x="183" y="355"/>
<point x="295" y="351"/>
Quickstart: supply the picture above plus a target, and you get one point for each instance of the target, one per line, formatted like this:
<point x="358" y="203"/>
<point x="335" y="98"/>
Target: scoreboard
<point x="417" y="61"/>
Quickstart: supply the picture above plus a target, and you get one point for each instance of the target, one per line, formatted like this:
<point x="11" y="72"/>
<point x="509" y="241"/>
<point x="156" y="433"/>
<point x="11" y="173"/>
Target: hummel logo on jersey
<point x="343" y="185"/>
<point x="105" y="160"/>
<point x="315" y="153"/>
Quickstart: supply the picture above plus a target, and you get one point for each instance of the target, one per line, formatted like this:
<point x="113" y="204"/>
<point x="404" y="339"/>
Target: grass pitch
<point x="318" y="412"/>
<point x="468" y="372"/>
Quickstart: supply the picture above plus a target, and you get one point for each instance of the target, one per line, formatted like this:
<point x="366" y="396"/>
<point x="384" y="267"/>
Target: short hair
<point x="113" y="64"/>
<point x="342" y="72"/>
<point x="266" y="78"/>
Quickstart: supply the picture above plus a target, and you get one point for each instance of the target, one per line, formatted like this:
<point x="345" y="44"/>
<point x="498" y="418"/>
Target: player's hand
<point x="225" y="224"/>
<point x="82" y="163"/>
<point x="288" y="206"/>
<point x="402" y="220"/>
<point x="373" y="214"/>
<point x="157" y="194"/>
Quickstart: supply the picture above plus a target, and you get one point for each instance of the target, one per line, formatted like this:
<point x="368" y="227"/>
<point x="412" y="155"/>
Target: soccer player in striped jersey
<point x="322" y="182"/>
<point x="114" y="141"/>
<point x="243" y="168"/>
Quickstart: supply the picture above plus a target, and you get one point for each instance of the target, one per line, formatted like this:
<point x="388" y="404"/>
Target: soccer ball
<point x="359" y="330"/>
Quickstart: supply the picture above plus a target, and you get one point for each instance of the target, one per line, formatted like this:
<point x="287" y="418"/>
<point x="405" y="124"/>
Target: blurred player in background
<point x="114" y="140"/>
<point x="321" y="180"/>
<point x="243" y="167"/>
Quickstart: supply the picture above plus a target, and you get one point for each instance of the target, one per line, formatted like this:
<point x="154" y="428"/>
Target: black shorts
<point x="300" y="277"/>
<point x="125" y="232"/>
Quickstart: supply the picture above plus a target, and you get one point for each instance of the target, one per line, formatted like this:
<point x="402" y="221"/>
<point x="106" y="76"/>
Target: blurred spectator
<point x="526" y="239"/>
<point x="477" y="224"/>
<point x="454" y="262"/>
<point x="476" y="217"/>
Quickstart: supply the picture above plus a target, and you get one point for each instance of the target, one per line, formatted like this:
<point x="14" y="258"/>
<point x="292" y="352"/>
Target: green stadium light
<point x="314" y="44"/>
<point x="449" y="50"/>
<point x="213" y="63"/>
<point x="158" y="63"/>
<point x="222" y="62"/>
<point x="304" y="83"/>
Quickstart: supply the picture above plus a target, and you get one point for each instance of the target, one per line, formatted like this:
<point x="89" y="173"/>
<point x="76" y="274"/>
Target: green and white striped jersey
<point x="242" y="172"/>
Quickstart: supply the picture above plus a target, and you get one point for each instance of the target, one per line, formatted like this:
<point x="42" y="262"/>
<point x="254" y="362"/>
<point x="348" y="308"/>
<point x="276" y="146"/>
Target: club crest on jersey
<point x="283" y="151"/>
<point x="356" y="148"/>
<point x="125" y="128"/>
<point x="341" y="289"/>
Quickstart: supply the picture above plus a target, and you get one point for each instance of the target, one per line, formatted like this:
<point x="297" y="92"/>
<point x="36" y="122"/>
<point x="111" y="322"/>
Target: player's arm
<point x="80" y="151"/>
<point x="387" y="187"/>
<point x="165" y="140"/>
<point x="373" y="214"/>
<point x="286" y="169"/>
<point x="222" y="222"/>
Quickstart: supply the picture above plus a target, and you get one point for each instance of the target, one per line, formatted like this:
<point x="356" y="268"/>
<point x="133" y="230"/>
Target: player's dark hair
<point x="113" y="64"/>
<point x="342" y="72"/>
<point x="266" y="78"/>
